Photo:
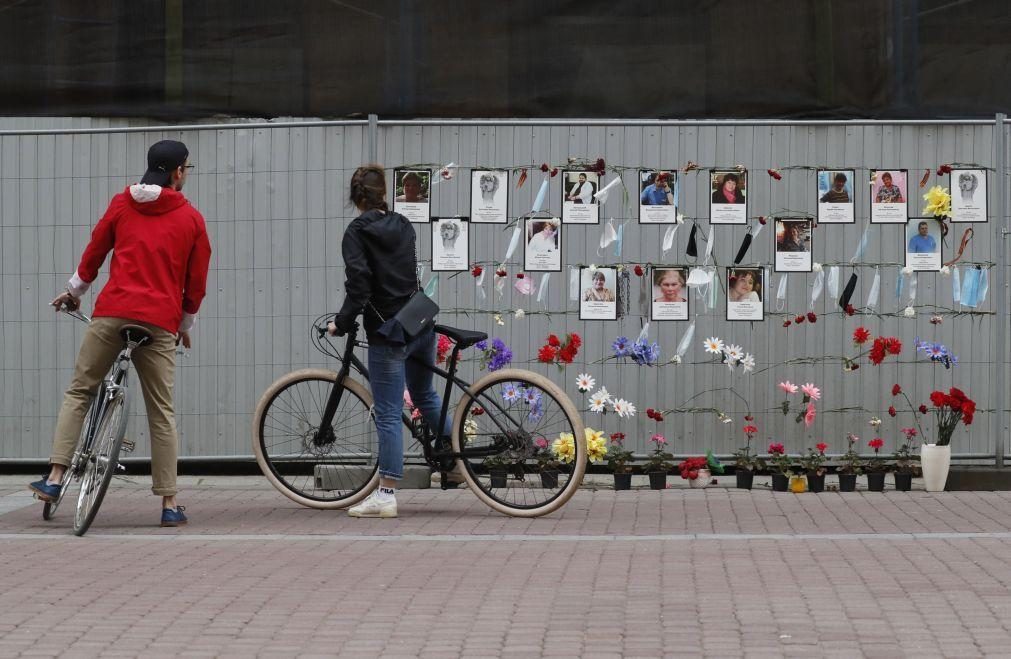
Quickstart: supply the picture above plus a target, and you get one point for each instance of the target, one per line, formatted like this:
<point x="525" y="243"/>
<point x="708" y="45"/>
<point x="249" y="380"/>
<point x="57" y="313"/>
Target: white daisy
<point x="599" y="400"/>
<point x="624" y="408"/>
<point x="734" y="353"/>
<point x="713" y="345"/>
<point x="519" y="314"/>
<point x="909" y="312"/>
<point x="585" y="382"/>
<point x="748" y="362"/>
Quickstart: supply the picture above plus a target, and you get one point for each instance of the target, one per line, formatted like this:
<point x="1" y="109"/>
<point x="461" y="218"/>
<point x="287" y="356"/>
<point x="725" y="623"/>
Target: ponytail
<point x="368" y="188"/>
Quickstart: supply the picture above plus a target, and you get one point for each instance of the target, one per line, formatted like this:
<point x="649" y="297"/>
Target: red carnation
<point x="554" y="172"/>
<point x="567" y="354"/>
<point x="787" y="322"/>
<point x="893" y="345"/>
<point x="943" y="169"/>
<point x="798" y="320"/>
<point x="477" y="411"/>
<point x="776" y="449"/>
<point x="923" y="409"/>
<point x="896" y="390"/>
<point x="955" y="392"/>
<point x="774" y="174"/>
<point x="520" y="275"/>
<point x="477" y="270"/>
<point x="546" y="354"/>
<point x="545" y="168"/>
<point x="891" y="410"/>
<point x="748" y="417"/>
<point x="601" y="166"/>
<point x="650" y="412"/>
<point x="761" y="220"/>
<point x="812" y="317"/>
<point x="877" y="354"/>
<point x="855" y="367"/>
<point x="553" y="341"/>
<point x="501" y="272"/>
<point x="850" y="310"/>
<point x="860" y="335"/>
<point x="637" y="270"/>
<point x="658" y="416"/>
<point x="575" y="340"/>
<point x="937" y="398"/>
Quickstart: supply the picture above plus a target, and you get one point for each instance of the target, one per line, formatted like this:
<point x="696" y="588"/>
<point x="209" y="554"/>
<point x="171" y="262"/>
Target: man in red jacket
<point x="158" y="277"/>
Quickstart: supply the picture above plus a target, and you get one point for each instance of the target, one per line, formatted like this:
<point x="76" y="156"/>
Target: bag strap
<point x="417" y="279"/>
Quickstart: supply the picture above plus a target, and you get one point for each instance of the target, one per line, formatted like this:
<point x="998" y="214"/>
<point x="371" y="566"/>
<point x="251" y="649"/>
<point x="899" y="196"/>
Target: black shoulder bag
<point x="417" y="315"/>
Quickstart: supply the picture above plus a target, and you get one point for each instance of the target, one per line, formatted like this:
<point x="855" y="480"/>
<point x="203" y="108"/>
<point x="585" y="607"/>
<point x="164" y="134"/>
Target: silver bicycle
<point x="96" y="458"/>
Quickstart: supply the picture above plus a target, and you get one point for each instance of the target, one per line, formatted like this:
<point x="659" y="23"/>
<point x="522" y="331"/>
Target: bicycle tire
<point x="314" y="384"/>
<point x="49" y="509"/>
<point x="95" y="480"/>
<point x="573" y="423"/>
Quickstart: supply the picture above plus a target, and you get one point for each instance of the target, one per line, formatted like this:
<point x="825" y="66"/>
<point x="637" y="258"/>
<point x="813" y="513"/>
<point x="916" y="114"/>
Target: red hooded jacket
<point x="160" y="255"/>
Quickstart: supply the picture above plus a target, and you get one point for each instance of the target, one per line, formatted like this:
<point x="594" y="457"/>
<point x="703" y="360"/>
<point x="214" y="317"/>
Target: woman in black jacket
<point x="381" y="267"/>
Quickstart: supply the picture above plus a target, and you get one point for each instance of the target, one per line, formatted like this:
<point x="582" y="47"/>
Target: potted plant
<point x="618" y="458"/>
<point x="851" y="466"/>
<point x="659" y="463"/>
<point x="876" y="467"/>
<point x="498" y="469"/>
<point x="905" y="461"/>
<point x="695" y="471"/>
<point x="547" y="463"/>
<point x="813" y="464"/>
<point x="745" y="462"/>
<point x="780" y="467"/>
<point x="935" y="459"/>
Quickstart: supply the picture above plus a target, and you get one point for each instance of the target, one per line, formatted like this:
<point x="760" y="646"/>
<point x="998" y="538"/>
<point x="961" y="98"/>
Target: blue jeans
<point x="389" y="370"/>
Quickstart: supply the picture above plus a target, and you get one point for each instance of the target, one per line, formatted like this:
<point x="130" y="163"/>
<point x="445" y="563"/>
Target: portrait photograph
<point x="598" y="293"/>
<point x="889" y="196"/>
<point x="489" y="196"/>
<point x="793" y="241"/>
<point x="745" y="294"/>
<point x="543" y="245"/>
<point x="729" y="190"/>
<point x="836" y="202"/>
<point x="578" y="204"/>
<point x="410" y="194"/>
<point x="450" y="244"/>
<point x="669" y="293"/>
<point x="656" y="196"/>
<point x="923" y="244"/>
<point x="968" y="195"/>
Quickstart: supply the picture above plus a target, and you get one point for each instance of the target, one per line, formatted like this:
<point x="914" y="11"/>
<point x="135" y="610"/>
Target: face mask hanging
<point x="833" y="282"/>
<point x="872" y="297"/>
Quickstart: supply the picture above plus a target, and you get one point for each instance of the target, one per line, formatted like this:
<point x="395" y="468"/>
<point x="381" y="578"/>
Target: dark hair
<point x="368" y="188"/>
<point x="839" y="176"/>
<point x="730" y="177"/>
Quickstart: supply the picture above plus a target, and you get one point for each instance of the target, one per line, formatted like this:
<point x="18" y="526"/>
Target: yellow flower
<point x="938" y="202"/>
<point x="596" y="444"/>
<point x="564" y="447"/>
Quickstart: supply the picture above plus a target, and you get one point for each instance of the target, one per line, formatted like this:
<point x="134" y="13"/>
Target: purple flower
<point x="620" y="346"/>
<point x="644" y="353"/>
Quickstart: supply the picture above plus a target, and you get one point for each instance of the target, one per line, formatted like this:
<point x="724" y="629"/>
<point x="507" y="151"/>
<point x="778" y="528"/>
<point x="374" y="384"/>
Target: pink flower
<point x="776" y="449"/>
<point x="811" y="391"/>
<point x="788" y="387"/>
<point x="909" y="432"/>
<point x="658" y="439"/>
<point x="809" y="415"/>
<point x="541" y="443"/>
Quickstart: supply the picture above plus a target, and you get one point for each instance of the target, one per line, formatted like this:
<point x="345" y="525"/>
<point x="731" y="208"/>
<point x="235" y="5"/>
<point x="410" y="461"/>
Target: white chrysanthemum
<point x="469" y="429"/>
<point x="734" y="353"/>
<point x="585" y="382"/>
<point x="909" y="312"/>
<point x="624" y="408"/>
<point x="714" y="345"/>
<point x="520" y="313"/>
<point x="748" y="362"/>
<point x="599" y="400"/>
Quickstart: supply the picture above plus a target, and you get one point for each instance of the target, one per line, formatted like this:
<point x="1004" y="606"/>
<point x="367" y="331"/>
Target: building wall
<point x="274" y="201"/>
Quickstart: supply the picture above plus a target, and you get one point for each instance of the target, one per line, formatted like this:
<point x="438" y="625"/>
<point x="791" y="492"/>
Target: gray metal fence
<point x="274" y="194"/>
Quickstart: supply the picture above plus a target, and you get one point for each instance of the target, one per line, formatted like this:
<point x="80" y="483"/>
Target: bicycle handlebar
<point x="74" y="312"/>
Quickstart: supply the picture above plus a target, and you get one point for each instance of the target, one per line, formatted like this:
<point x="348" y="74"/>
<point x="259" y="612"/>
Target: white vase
<point x="935" y="461"/>
<point x="703" y="480"/>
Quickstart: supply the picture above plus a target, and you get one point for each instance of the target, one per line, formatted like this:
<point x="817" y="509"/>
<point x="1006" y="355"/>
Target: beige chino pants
<point x="155" y="365"/>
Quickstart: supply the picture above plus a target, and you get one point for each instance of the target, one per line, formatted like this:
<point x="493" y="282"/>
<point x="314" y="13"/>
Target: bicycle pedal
<point x="128" y="446"/>
<point x="120" y="468"/>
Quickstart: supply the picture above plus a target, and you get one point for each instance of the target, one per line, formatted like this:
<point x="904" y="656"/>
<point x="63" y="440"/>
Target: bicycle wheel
<point x="325" y="475"/>
<point x="505" y="414"/>
<point x="71" y="472"/>
<point x="101" y="461"/>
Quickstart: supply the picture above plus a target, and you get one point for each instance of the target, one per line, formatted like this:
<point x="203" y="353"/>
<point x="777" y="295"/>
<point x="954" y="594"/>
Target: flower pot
<point x="498" y="477"/>
<point x="847" y="482"/>
<point x="657" y="480"/>
<point x="815" y="482"/>
<point x="745" y="477"/>
<point x="798" y="484"/>
<point x="549" y="479"/>
<point x="935" y="461"/>
<point x="903" y="482"/>
<point x="780" y="482"/>
<point x="703" y="479"/>
<point x="623" y="481"/>
<point x="876" y="481"/>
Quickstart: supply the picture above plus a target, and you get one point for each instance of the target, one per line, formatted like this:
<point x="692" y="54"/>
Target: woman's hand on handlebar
<point x="68" y="300"/>
<point x="333" y="330"/>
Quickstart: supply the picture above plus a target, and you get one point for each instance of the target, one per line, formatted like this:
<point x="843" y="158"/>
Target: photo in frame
<point x="836" y="200"/>
<point x="968" y="195"/>
<point x="669" y="292"/>
<point x="922" y="238"/>
<point x="411" y="188"/>
<point x="543" y="245"/>
<point x="656" y="196"/>
<point x="450" y="244"/>
<point x="578" y="204"/>
<point x="889" y="196"/>
<point x="745" y="294"/>
<point x="489" y="196"/>
<point x="729" y="196"/>
<point x="793" y="241"/>
<point x="598" y="299"/>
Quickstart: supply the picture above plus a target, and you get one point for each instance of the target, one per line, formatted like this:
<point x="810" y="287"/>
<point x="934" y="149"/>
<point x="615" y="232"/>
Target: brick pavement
<point x="717" y="572"/>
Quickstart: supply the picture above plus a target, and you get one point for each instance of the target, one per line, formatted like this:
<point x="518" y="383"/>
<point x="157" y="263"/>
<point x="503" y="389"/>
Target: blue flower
<point x="536" y="411"/>
<point x="645" y="354"/>
<point x="620" y="346"/>
<point x="481" y="345"/>
<point x="510" y="393"/>
<point x="531" y="396"/>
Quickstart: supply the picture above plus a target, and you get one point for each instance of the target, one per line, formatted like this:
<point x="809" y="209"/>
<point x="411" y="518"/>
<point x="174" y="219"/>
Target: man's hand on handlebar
<point x="184" y="338"/>
<point x="66" y="299"/>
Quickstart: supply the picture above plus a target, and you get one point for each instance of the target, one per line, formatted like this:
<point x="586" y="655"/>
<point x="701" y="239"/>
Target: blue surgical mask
<point x="971" y="287"/>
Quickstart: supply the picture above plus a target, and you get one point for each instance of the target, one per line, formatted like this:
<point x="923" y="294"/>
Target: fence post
<point x="373" y="138"/>
<point x="1001" y="294"/>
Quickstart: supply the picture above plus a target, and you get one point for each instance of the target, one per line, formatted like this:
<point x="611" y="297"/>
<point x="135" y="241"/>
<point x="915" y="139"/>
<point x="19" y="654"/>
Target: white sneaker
<point x="373" y="506"/>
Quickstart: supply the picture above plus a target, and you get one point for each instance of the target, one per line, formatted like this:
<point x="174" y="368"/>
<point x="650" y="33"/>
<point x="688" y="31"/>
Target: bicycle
<point x="96" y="457"/>
<point x="314" y="440"/>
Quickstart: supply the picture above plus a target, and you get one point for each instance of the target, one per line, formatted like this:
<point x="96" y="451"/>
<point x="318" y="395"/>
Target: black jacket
<point x="380" y="263"/>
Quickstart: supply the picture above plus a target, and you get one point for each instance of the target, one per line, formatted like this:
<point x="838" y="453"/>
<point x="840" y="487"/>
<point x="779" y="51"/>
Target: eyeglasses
<point x="188" y="166"/>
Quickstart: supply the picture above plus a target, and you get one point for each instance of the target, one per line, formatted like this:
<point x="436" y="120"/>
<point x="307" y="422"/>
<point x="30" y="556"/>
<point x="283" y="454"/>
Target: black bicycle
<point x="96" y="457"/>
<point x="314" y="437"/>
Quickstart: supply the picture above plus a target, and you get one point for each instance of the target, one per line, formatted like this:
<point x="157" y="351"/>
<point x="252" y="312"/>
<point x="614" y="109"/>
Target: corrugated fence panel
<point x="274" y="198"/>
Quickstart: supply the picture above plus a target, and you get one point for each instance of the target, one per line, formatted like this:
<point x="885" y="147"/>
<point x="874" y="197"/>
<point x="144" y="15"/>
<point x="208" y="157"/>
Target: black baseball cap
<point x="162" y="159"/>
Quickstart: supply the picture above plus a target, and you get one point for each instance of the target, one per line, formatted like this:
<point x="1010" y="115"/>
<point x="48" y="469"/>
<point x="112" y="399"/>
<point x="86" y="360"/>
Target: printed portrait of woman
<point x="669" y="285"/>
<point x="598" y="291"/>
<point x="544" y="236"/>
<point x="745" y="286"/>
<point x="729" y="189"/>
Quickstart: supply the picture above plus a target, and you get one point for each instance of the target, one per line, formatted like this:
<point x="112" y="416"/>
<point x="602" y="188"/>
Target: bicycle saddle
<point x="134" y="333"/>
<point x="463" y="338"/>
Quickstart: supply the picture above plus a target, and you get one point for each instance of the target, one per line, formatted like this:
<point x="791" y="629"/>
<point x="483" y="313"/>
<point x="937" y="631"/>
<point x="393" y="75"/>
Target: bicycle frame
<point x="325" y="433"/>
